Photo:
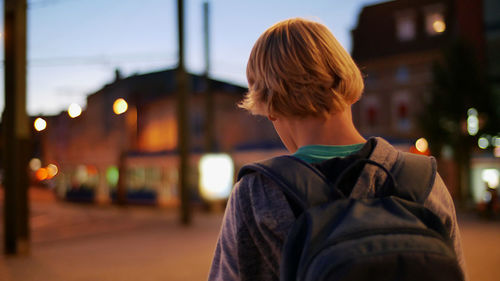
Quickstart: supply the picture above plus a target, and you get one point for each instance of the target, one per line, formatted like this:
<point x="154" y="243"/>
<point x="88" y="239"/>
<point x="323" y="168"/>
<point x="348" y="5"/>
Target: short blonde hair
<point x="297" y="68"/>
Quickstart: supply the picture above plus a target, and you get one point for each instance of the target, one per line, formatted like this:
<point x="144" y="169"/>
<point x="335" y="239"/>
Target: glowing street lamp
<point x="439" y="26"/>
<point x="422" y="145"/>
<point x="41" y="174"/>
<point x="40" y="124"/>
<point x="35" y="164"/>
<point x="472" y="122"/>
<point x="120" y="106"/>
<point x="52" y="171"/>
<point x="74" y="110"/>
<point x="483" y="143"/>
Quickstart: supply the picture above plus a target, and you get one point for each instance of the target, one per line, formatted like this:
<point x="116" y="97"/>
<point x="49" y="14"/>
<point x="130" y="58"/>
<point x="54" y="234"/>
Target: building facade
<point x="90" y="148"/>
<point x="396" y="44"/>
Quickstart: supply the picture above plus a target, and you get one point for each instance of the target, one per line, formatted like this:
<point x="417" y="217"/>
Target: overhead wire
<point x="100" y="59"/>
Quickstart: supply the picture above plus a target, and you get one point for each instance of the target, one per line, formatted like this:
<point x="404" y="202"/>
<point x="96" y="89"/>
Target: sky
<point x="74" y="46"/>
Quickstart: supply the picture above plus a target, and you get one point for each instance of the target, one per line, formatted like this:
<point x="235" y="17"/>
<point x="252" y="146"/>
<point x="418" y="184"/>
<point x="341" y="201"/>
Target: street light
<point x="74" y="110"/>
<point x="52" y="171"/>
<point x="40" y="124"/>
<point x="439" y="26"/>
<point x="483" y="142"/>
<point x="120" y="106"/>
<point x="422" y="145"/>
<point x="472" y="121"/>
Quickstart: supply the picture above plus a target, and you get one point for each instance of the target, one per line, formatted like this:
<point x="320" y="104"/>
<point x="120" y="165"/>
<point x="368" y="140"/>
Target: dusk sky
<point x="74" y="46"/>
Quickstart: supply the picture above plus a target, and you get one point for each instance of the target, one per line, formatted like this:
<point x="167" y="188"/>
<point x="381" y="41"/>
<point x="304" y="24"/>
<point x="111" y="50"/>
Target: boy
<point x="302" y="79"/>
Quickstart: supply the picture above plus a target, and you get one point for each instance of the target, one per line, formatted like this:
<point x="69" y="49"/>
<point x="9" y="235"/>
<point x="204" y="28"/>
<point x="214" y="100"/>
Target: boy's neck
<point x="336" y="129"/>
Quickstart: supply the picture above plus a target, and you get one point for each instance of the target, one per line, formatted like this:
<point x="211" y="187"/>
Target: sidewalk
<point x="74" y="242"/>
<point x="83" y="242"/>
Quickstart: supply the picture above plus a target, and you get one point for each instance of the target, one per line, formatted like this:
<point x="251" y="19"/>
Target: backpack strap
<point x="295" y="177"/>
<point x="415" y="175"/>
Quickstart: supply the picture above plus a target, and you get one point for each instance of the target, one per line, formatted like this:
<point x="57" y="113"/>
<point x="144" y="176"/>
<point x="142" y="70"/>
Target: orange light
<point x="439" y="26"/>
<point x="52" y="171"/>
<point x="91" y="170"/>
<point x="422" y="145"/>
<point x="41" y="174"/>
<point x="120" y="106"/>
<point x="414" y="150"/>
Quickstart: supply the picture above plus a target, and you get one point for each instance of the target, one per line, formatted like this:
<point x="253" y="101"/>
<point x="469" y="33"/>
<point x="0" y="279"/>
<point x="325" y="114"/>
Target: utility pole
<point x="182" y="121"/>
<point x="16" y="130"/>
<point x="209" y="99"/>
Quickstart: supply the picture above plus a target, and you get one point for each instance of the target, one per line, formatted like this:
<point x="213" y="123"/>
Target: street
<point x="88" y="242"/>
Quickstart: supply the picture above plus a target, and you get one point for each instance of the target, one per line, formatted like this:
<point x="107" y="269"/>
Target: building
<point x="89" y="149"/>
<point x="396" y="43"/>
<point x="492" y="30"/>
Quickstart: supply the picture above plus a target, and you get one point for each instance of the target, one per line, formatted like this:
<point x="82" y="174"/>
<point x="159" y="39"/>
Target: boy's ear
<point x="271" y="118"/>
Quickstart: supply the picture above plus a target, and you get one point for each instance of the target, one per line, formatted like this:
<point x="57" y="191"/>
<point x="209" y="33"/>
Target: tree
<point x="459" y="84"/>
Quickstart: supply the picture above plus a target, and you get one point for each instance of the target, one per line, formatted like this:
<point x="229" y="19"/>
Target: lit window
<point x="405" y="26"/>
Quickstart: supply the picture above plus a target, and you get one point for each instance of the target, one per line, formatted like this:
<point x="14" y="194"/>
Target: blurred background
<point x="121" y="138"/>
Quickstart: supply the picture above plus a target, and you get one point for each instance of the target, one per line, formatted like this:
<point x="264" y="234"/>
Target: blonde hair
<point x="297" y="68"/>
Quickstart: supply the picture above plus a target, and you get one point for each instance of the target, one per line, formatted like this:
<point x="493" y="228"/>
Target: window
<point x="405" y="25"/>
<point x="370" y="111"/>
<point x="372" y="114"/>
<point x="401" y="111"/>
<point x="402" y="74"/>
<point x="434" y="20"/>
<point x="197" y="123"/>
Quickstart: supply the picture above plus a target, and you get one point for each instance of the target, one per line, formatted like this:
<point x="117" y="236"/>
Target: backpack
<point x="389" y="237"/>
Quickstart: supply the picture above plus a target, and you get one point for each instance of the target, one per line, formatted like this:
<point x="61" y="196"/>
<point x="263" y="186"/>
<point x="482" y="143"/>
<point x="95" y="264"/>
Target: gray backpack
<point x="389" y="237"/>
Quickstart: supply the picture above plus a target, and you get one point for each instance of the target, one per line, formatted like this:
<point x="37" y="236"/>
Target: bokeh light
<point x="439" y="26"/>
<point x="472" y="125"/>
<point x="216" y="176"/>
<point x="491" y="177"/>
<point x="74" y="110"/>
<point x="40" y="124"/>
<point x="52" y="171"/>
<point x="422" y="145"/>
<point x="483" y="143"/>
<point x="81" y="174"/>
<point x="112" y="175"/>
<point x="120" y="106"/>
<point x="472" y="112"/>
<point x="35" y="164"/>
<point x="41" y="174"/>
<point x="495" y="141"/>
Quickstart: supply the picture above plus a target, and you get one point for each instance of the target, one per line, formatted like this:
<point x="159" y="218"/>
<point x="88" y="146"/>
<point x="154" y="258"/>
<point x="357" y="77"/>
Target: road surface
<point x="74" y="242"/>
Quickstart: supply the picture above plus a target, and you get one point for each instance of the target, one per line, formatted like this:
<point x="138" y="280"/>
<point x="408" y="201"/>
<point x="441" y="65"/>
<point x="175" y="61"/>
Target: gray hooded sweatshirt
<point x="258" y="218"/>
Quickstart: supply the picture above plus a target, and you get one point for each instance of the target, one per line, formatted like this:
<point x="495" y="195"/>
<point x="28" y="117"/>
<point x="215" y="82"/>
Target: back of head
<point x="298" y="69"/>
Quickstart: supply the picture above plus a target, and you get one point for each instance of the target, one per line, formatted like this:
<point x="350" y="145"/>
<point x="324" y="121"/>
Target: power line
<point x="35" y="4"/>
<point x="100" y="59"/>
